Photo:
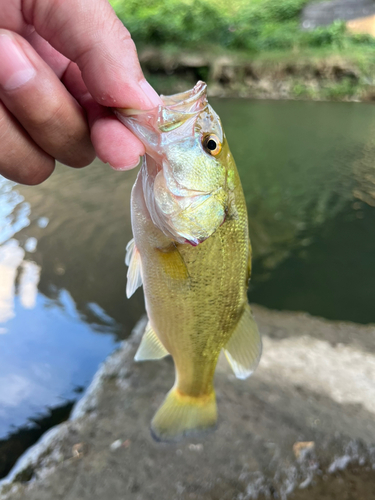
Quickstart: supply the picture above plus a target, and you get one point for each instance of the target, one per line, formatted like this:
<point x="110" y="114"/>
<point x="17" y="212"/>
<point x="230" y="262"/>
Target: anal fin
<point x="134" y="276"/>
<point x="244" y="348"/>
<point x="150" y="346"/>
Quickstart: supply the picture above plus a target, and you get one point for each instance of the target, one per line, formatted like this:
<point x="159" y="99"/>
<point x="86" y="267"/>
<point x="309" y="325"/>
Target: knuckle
<point x="37" y="177"/>
<point x="32" y="176"/>
<point x="48" y="117"/>
<point x="24" y="166"/>
<point x="20" y="159"/>
<point x="61" y="131"/>
<point x="83" y="161"/>
<point x="38" y="169"/>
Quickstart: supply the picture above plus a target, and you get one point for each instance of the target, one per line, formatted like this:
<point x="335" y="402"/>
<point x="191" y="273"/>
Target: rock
<point x="302" y="427"/>
<point x="324" y="13"/>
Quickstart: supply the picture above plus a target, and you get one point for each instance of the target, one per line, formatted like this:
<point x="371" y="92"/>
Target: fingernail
<point x="15" y="68"/>
<point x="126" y="167"/>
<point x="150" y="93"/>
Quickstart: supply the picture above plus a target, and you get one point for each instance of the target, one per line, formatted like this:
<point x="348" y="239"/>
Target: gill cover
<point x="184" y="174"/>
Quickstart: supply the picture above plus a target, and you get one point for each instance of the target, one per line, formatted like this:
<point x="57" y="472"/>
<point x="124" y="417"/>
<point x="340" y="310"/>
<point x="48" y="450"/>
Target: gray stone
<point x="301" y="423"/>
<point x="325" y="13"/>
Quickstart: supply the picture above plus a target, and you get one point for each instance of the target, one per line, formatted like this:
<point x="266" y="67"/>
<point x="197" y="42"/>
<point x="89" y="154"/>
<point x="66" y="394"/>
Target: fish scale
<point x="193" y="258"/>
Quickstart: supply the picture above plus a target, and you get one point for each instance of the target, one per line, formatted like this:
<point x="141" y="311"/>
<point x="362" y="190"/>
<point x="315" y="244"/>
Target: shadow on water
<point x="308" y="176"/>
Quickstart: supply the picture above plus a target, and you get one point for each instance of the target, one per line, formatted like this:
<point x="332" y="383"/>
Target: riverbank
<point x="308" y="74"/>
<point x="258" y="49"/>
<point x="302" y="427"/>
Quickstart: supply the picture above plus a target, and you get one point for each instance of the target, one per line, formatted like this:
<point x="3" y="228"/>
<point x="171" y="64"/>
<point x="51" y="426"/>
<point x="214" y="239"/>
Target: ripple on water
<point x="14" y="210"/>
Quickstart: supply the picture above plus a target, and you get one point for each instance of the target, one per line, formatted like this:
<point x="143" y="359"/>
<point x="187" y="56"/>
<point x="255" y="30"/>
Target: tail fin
<point x="181" y="415"/>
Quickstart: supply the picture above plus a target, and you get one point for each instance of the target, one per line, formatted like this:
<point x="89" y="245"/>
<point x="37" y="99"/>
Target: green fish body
<point x="191" y="250"/>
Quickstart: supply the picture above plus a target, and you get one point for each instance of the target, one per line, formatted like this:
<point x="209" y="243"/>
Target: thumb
<point x="89" y="33"/>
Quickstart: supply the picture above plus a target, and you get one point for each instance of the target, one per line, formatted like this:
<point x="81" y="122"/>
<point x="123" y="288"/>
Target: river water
<point x="308" y="172"/>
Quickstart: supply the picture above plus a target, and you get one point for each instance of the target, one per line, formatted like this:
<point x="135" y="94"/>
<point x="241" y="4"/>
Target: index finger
<point x="89" y="33"/>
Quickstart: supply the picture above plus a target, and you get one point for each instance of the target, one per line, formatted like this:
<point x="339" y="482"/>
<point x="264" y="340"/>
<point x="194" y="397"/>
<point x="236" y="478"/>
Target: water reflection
<point x="11" y="256"/>
<point x="364" y="172"/>
<point x="28" y="285"/>
<point x="48" y="348"/>
<point x="81" y="246"/>
<point x="14" y="211"/>
<point x="51" y="351"/>
<point x="11" y="264"/>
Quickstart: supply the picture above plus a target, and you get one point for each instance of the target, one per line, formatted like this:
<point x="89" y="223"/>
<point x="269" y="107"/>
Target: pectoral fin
<point x="172" y="263"/>
<point x="134" y="276"/>
<point x="150" y="346"/>
<point x="244" y="348"/>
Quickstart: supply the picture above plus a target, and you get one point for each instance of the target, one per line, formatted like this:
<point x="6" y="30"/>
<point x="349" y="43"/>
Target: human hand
<point x="62" y="64"/>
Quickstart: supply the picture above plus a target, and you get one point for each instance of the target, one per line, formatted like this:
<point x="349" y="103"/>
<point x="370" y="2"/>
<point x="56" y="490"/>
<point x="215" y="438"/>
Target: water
<point x="309" y="179"/>
<point x="308" y="172"/>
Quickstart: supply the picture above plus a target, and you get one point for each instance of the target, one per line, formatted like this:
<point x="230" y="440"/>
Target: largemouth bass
<point x="191" y="250"/>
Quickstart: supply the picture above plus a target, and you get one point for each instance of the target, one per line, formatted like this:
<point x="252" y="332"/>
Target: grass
<point x="253" y="26"/>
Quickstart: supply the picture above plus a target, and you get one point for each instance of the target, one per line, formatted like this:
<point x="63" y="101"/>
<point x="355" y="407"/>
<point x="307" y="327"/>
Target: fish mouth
<point x="180" y="107"/>
<point x="184" y="101"/>
<point x="174" y="111"/>
<point x="185" y="98"/>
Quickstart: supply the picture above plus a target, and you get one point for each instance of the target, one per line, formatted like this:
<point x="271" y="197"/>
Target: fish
<point x="191" y="251"/>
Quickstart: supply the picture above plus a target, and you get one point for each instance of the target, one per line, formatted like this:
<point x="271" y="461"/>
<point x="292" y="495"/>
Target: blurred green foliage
<point x="246" y="25"/>
<point x="340" y="90"/>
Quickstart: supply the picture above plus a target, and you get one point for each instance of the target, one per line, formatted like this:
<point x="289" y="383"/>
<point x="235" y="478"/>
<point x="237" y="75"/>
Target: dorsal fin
<point x="244" y="348"/>
<point x="134" y="276"/>
<point x="150" y="346"/>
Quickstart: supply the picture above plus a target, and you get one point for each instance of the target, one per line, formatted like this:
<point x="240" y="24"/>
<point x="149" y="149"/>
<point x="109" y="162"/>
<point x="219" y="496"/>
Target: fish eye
<point x="211" y="144"/>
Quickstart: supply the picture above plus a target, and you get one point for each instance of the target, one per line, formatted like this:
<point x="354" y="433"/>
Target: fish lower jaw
<point x="194" y="242"/>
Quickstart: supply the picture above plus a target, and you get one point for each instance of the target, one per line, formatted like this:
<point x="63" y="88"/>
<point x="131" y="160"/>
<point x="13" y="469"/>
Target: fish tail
<point x="182" y="415"/>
